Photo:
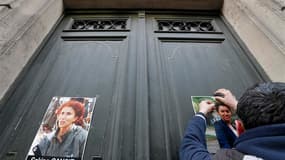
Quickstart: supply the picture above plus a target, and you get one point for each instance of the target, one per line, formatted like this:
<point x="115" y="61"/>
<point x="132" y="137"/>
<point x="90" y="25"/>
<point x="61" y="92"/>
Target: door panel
<point x="69" y="66"/>
<point x="185" y="64"/>
<point x="142" y="76"/>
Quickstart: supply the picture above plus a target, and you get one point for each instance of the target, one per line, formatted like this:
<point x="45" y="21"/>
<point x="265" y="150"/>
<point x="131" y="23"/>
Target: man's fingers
<point x="221" y="90"/>
<point x="206" y="106"/>
<point x="220" y="99"/>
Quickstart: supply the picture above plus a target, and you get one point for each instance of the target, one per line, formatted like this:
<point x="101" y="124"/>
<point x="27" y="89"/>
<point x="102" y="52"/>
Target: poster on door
<point x="220" y="116"/>
<point x="63" y="132"/>
<point x="213" y="117"/>
<point x="211" y="138"/>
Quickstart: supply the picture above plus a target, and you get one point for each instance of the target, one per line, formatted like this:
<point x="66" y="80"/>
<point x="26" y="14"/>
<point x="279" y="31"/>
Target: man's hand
<point x="228" y="99"/>
<point x="206" y="106"/>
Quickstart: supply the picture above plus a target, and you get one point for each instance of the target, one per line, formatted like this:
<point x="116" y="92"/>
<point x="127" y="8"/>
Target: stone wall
<point x="261" y="26"/>
<point x="23" y="26"/>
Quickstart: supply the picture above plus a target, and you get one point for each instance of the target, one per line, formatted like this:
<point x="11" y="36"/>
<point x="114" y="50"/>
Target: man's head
<point x="262" y="104"/>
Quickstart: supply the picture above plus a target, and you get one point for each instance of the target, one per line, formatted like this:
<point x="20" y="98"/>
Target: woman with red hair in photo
<point x="69" y="138"/>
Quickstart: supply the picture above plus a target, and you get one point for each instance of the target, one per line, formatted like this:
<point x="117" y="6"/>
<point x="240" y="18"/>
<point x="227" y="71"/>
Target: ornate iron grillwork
<point x="185" y="26"/>
<point x="98" y="24"/>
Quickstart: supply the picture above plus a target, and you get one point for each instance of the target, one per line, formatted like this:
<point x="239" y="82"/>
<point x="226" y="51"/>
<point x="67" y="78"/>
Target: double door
<point x="143" y="68"/>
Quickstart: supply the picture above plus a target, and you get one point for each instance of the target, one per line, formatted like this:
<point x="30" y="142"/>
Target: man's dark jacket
<point x="267" y="142"/>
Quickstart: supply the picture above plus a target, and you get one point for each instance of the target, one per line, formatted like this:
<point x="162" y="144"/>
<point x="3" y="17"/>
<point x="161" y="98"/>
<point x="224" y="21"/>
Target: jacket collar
<point x="266" y="142"/>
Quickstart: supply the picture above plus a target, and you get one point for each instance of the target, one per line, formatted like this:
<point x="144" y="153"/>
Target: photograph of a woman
<point x="225" y="131"/>
<point x="211" y="138"/>
<point x="67" y="136"/>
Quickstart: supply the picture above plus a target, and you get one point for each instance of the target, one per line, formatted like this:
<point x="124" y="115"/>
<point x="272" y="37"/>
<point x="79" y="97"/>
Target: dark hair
<point x="78" y="108"/>
<point x="262" y="104"/>
<point x="219" y="105"/>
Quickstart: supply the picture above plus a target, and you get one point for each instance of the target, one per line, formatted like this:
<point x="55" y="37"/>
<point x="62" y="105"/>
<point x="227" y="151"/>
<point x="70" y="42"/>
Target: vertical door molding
<point x="142" y="93"/>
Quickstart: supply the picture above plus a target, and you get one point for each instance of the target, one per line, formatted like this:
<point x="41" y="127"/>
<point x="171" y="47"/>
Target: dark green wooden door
<point x="143" y="68"/>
